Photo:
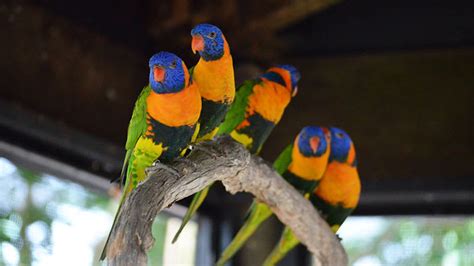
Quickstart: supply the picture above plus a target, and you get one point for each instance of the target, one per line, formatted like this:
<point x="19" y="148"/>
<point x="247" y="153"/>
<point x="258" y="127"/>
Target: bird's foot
<point x="159" y="165"/>
<point x="187" y="151"/>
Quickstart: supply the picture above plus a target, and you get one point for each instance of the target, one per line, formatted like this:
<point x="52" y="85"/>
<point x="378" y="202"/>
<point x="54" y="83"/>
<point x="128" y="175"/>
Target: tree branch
<point x="229" y="162"/>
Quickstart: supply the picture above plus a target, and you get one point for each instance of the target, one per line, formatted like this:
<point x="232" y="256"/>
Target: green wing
<point x="198" y="199"/>
<point x="258" y="213"/>
<point x="287" y="242"/>
<point x="136" y="128"/>
<point x="236" y="113"/>
<point x="283" y="160"/>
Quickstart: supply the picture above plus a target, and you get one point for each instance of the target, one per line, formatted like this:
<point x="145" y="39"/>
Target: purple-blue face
<point x="167" y="74"/>
<point x="340" y="145"/>
<point x="312" y="141"/>
<point x="208" y="40"/>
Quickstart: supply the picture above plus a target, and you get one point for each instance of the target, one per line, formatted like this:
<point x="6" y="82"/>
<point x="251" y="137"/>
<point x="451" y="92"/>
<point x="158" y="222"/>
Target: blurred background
<point x="397" y="75"/>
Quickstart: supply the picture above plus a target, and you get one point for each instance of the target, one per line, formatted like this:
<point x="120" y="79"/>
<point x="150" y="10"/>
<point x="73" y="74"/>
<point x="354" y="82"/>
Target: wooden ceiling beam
<point x="289" y="14"/>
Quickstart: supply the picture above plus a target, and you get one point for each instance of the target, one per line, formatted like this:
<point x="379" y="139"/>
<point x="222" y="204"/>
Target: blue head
<point x="209" y="41"/>
<point x="295" y="77"/>
<point x="342" y="149"/>
<point x="168" y="73"/>
<point x="312" y="141"/>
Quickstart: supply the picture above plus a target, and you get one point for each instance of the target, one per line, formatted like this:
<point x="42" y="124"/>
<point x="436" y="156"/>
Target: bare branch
<point x="229" y="162"/>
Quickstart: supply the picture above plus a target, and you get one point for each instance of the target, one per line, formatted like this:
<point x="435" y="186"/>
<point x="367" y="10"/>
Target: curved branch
<point x="229" y="162"/>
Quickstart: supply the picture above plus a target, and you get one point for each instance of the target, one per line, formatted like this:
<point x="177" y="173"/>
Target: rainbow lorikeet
<point x="164" y="120"/>
<point x="302" y="164"/>
<point x="336" y="196"/>
<point x="214" y="75"/>
<point x="259" y="105"/>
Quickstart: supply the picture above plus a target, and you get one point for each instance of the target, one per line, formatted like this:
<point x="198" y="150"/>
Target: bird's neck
<point x="280" y="76"/>
<point x="215" y="79"/>
<point x="274" y="77"/>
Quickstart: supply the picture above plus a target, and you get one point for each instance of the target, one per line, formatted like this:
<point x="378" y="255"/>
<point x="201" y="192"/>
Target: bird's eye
<point x="173" y="65"/>
<point x="212" y="35"/>
<point x="339" y="135"/>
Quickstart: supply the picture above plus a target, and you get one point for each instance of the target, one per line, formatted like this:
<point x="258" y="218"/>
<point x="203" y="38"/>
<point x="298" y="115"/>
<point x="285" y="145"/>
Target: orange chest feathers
<point x="175" y="109"/>
<point x="340" y="185"/>
<point x="216" y="79"/>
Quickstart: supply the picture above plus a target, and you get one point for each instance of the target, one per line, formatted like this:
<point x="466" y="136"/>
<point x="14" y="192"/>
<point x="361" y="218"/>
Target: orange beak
<point x="295" y="91"/>
<point x="197" y="43"/>
<point x="158" y="73"/>
<point x="314" y="143"/>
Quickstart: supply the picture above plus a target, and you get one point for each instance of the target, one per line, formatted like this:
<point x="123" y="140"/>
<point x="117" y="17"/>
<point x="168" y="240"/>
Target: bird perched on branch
<point x="259" y="105"/>
<point x="336" y="196"/>
<point x="302" y="164"/>
<point x="163" y="123"/>
<point x="214" y="75"/>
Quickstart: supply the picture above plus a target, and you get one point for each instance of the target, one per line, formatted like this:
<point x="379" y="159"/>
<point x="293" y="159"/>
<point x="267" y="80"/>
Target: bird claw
<point x="159" y="165"/>
<point x="186" y="151"/>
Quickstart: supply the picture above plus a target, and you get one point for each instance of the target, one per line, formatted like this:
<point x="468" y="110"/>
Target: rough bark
<point x="226" y="161"/>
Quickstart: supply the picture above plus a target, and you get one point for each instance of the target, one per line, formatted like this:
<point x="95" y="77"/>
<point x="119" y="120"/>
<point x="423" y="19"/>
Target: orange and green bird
<point x="163" y="123"/>
<point x="258" y="107"/>
<point x="336" y="196"/>
<point x="302" y="164"/>
<point x="214" y="75"/>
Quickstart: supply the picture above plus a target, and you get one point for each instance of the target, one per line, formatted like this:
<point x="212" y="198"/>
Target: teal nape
<point x="46" y="220"/>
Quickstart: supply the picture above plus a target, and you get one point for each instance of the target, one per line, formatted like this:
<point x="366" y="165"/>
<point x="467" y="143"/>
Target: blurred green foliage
<point x="45" y="220"/>
<point x="416" y="240"/>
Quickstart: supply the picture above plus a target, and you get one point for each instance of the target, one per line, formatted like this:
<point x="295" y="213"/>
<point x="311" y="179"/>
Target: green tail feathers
<point x="103" y="255"/>
<point x="122" y="200"/>
<point x="259" y="212"/>
<point x="195" y="204"/>
<point x="287" y="242"/>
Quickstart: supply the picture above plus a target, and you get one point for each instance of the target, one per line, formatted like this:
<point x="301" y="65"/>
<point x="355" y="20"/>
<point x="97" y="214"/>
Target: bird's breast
<point x="216" y="79"/>
<point x="340" y="185"/>
<point x="175" y="109"/>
